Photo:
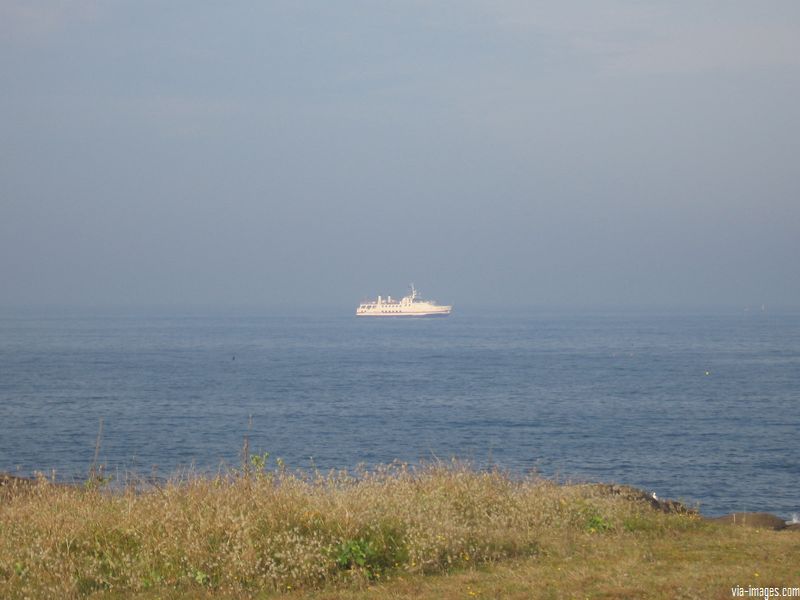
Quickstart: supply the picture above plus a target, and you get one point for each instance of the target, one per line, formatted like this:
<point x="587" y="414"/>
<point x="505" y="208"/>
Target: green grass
<point x="439" y="531"/>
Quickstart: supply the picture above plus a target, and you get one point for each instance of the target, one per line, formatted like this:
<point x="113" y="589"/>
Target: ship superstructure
<point x="409" y="306"/>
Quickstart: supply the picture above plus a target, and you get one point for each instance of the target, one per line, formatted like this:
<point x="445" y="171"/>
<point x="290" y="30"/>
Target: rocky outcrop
<point x="637" y="495"/>
<point x="758" y="520"/>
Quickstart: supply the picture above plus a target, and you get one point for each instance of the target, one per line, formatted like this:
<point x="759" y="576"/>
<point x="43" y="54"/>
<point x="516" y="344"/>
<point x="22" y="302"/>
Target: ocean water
<point x="698" y="407"/>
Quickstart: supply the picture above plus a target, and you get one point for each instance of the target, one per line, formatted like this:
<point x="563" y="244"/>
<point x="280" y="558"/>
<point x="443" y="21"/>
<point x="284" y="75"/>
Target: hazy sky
<point x="260" y="153"/>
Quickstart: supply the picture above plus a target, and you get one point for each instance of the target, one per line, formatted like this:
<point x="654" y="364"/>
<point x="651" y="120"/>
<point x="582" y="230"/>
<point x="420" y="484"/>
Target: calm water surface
<point x="702" y="407"/>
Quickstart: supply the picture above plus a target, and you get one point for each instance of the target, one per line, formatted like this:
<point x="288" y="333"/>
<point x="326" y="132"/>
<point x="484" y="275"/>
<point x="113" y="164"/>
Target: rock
<point x="637" y="495"/>
<point x="792" y="527"/>
<point x="759" y="520"/>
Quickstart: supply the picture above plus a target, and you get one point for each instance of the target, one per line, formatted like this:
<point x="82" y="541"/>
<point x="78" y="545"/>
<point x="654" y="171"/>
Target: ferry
<point x="409" y="306"/>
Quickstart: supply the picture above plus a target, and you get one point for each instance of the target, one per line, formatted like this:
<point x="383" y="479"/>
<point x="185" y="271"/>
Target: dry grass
<point x="264" y="532"/>
<point x="701" y="562"/>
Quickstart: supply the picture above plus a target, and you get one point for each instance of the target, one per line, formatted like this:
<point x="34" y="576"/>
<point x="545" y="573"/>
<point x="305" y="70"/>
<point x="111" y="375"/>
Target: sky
<point x="542" y="154"/>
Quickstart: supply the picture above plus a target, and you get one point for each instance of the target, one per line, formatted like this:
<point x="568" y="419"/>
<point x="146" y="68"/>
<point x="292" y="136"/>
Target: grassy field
<point x="441" y="531"/>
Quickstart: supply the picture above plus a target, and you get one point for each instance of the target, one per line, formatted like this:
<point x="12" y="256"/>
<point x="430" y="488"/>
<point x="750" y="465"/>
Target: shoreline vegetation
<point x="442" y="530"/>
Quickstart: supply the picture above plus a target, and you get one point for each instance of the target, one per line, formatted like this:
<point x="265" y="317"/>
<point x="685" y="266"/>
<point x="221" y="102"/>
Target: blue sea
<point x="701" y="407"/>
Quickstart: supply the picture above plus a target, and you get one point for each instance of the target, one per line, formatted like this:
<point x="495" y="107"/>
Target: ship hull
<point x="393" y="315"/>
<point x="409" y="306"/>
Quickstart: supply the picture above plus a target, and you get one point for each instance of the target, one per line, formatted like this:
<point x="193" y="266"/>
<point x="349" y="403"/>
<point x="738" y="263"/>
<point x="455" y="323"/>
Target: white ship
<point x="410" y="306"/>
